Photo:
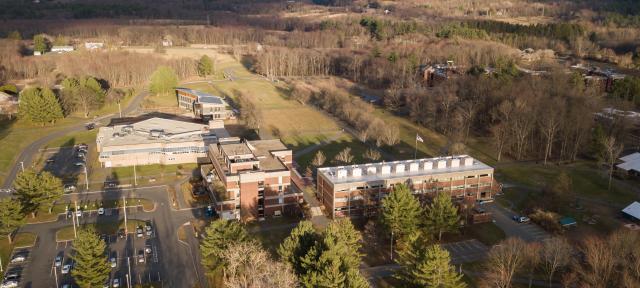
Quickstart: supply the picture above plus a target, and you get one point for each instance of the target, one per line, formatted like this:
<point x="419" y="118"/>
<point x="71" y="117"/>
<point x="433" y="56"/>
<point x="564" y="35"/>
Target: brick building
<point x="203" y="105"/>
<point x="252" y="179"/>
<point x="357" y="190"/>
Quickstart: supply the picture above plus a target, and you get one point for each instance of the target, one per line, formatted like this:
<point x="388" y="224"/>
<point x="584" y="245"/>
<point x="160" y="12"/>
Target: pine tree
<point x="401" y="212"/>
<point x="441" y="216"/>
<point x="11" y="217"/>
<point x="427" y="266"/>
<point x="205" y="66"/>
<point x="39" y="105"/>
<point x="39" y="43"/>
<point x="34" y="189"/>
<point x="218" y="236"/>
<point x="297" y="244"/>
<point x="14" y="35"/>
<point x="163" y="80"/>
<point x="91" y="266"/>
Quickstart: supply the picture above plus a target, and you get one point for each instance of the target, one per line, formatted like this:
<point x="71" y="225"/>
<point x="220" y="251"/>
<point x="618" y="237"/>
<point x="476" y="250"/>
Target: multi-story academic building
<point x="156" y="141"/>
<point x="251" y="180"/>
<point x="203" y="105"/>
<point x="357" y="190"/>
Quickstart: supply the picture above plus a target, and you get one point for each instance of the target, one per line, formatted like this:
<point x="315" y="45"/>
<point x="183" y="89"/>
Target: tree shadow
<point x="248" y="62"/>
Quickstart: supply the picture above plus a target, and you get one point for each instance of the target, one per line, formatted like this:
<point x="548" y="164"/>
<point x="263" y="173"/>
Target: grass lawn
<point x="331" y="149"/>
<point x="66" y="233"/>
<point x="43" y="215"/>
<point x="87" y="136"/>
<point x="20" y="240"/>
<point x="24" y="239"/>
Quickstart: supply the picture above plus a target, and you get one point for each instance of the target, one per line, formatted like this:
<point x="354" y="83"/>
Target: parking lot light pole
<point x="22" y="165"/>
<point x="135" y="177"/>
<point x="124" y="207"/>
<point x="86" y="178"/>
<point x="55" y="273"/>
<point x="128" y="275"/>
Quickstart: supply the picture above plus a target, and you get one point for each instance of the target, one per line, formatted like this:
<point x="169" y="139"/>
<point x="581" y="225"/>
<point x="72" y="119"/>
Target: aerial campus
<point x="319" y="143"/>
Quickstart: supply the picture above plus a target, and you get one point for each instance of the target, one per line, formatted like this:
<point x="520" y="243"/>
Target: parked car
<point x="68" y="188"/>
<point x="521" y="219"/>
<point x="209" y="211"/>
<point x="139" y="232"/>
<point x="79" y="164"/>
<point x="50" y="161"/>
<point x="148" y="228"/>
<point x="113" y="262"/>
<point x="13" y="273"/>
<point x="115" y="283"/>
<point x="58" y="261"/>
<point x="66" y="268"/>
<point x="147" y="249"/>
<point x="18" y="258"/>
<point x="78" y="213"/>
<point x="122" y="234"/>
<point x="90" y="126"/>
<point x="141" y="256"/>
<point x="9" y="284"/>
<point x="100" y="211"/>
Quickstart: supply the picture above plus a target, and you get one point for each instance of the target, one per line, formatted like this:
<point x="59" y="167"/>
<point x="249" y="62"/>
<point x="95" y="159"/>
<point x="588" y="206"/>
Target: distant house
<point x="62" y="49"/>
<point x="632" y="212"/>
<point x="167" y="43"/>
<point x="93" y="45"/>
<point x="630" y="164"/>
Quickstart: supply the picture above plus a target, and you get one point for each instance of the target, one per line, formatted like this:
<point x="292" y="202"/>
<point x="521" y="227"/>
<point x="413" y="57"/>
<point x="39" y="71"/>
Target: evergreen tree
<point x="11" y="217"/>
<point x="163" y="80"/>
<point x="427" y="266"/>
<point x="34" y="189"/>
<point x="91" y="266"/>
<point x="85" y="94"/>
<point x="401" y="212"/>
<point x="218" y="236"/>
<point x="39" y="43"/>
<point x="205" y="66"/>
<point x="441" y="216"/>
<point x="39" y="105"/>
<point x="297" y="244"/>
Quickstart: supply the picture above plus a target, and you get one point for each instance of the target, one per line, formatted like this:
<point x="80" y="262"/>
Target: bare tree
<point x="249" y="266"/>
<point x="550" y="123"/>
<point x="344" y="157"/>
<point x="468" y="110"/>
<point x="612" y="151"/>
<point x="319" y="159"/>
<point x="532" y="259"/>
<point x="391" y="135"/>
<point x="598" y="267"/>
<point x="500" y="131"/>
<point x="505" y="260"/>
<point x="372" y="155"/>
<point x="555" y="255"/>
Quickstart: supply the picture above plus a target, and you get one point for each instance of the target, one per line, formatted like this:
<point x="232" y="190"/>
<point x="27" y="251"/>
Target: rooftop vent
<point x="342" y="173"/>
<point x="156" y="133"/>
<point x="371" y="170"/>
<point x="399" y="168"/>
<point x="414" y="166"/>
<point x="427" y="165"/>
<point x="356" y="172"/>
<point x="468" y="161"/>
<point x="442" y="164"/>
<point x="455" y="162"/>
<point x="386" y="169"/>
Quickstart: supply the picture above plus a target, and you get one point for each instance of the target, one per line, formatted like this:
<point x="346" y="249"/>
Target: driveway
<point x="529" y="232"/>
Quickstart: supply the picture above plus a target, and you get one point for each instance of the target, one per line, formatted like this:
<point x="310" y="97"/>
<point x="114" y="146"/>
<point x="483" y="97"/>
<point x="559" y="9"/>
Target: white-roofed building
<point x="156" y="141"/>
<point x="356" y="190"/>
<point x="632" y="211"/>
<point x="630" y="164"/>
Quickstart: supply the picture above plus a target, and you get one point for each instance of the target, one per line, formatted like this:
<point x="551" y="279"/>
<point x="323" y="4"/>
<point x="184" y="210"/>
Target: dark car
<point x="122" y="233"/>
<point x="90" y="126"/>
<point x="141" y="256"/>
<point x="209" y="211"/>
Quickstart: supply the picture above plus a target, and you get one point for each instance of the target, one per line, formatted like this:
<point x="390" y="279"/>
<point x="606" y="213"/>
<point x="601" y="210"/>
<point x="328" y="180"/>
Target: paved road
<point x="177" y="264"/>
<point x="529" y="232"/>
<point x="26" y="156"/>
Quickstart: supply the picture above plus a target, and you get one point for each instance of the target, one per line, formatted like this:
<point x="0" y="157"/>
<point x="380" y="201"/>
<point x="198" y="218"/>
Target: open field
<point x="66" y="233"/>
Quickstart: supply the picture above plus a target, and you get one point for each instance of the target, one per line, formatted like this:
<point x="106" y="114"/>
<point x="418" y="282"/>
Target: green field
<point x="331" y="149"/>
<point x="69" y="140"/>
<point x="19" y="240"/>
<point x="66" y="233"/>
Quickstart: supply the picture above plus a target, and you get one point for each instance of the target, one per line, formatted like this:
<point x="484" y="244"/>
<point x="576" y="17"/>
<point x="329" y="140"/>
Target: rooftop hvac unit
<point x="468" y="161"/>
<point x="427" y="165"/>
<point x="455" y="162"/>
<point x="442" y="164"/>
<point x="414" y="166"/>
<point x="156" y="133"/>
<point x="399" y="168"/>
<point x="342" y="173"/>
<point x="371" y="170"/>
<point x="356" y="172"/>
<point x="386" y="169"/>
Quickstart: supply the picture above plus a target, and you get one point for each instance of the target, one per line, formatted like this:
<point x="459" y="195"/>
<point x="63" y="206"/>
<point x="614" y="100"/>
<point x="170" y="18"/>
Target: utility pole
<point x="128" y="275"/>
<point x="391" y="245"/>
<point x="55" y="273"/>
<point x="75" y="214"/>
<point x="135" y="177"/>
<point x="124" y="207"/>
<point x="86" y="177"/>
<point x="73" y="219"/>
<point x="119" y="109"/>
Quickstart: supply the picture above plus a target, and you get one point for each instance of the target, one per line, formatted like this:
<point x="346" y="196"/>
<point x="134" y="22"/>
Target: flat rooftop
<point x="398" y="169"/>
<point x="262" y="150"/>
<point x="153" y="130"/>
<point x="203" y="97"/>
<point x="235" y="149"/>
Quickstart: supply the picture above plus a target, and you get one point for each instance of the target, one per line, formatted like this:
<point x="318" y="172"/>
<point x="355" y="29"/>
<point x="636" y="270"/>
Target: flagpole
<point x="415" y="152"/>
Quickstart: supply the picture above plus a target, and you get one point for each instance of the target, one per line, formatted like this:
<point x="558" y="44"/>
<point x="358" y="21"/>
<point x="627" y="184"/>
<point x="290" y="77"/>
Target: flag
<point x="418" y="138"/>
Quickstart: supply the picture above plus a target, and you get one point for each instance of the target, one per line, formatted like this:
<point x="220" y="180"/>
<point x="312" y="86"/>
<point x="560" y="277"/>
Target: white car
<point x="113" y="262"/>
<point x="115" y="283"/>
<point x="100" y="211"/>
<point x="9" y="284"/>
<point x="58" y="261"/>
<point x="79" y="164"/>
<point x="66" y="268"/>
<point x="18" y="258"/>
<point x="79" y="213"/>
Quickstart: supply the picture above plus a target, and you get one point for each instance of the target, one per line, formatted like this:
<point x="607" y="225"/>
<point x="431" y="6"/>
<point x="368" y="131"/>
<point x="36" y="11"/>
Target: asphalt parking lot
<point x="62" y="162"/>
<point x="466" y="251"/>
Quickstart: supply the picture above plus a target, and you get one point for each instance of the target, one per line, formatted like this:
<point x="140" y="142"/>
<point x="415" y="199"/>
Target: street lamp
<point x="22" y="165"/>
<point x="86" y="177"/>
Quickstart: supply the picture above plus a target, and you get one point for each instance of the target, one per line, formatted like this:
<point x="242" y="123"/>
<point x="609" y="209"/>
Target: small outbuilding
<point x="632" y="212"/>
<point x="630" y="164"/>
<point x="567" y="222"/>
